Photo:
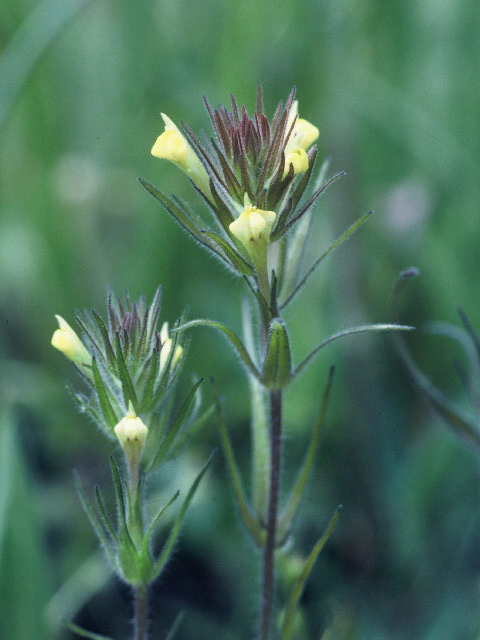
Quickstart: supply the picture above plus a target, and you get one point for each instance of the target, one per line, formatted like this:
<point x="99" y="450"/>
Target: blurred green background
<point x="394" y="89"/>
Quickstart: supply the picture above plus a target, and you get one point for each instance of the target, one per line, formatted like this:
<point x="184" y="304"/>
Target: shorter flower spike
<point x="171" y="145"/>
<point x="66" y="340"/>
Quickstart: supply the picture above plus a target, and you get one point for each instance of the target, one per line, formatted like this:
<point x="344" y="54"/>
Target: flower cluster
<point x="252" y="174"/>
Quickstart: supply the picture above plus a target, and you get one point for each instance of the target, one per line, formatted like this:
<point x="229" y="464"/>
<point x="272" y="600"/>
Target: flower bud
<point x="171" y="145"/>
<point x="132" y="433"/>
<point x="253" y="228"/>
<point x="167" y="344"/>
<point x="66" y="340"/>
<point x="299" y="159"/>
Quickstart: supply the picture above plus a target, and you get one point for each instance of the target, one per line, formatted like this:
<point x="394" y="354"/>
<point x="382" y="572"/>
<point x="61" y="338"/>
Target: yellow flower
<point x="132" y="434"/>
<point x="167" y="344"/>
<point x="253" y="228"/>
<point x="171" y="145"/>
<point x="66" y="340"/>
<point x="301" y="138"/>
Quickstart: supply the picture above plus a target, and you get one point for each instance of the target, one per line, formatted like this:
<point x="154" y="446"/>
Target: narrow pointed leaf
<point x="128" y="389"/>
<point x="151" y="528"/>
<point x="83" y="633"/>
<point x="180" y="216"/>
<point x="189" y="433"/>
<point x="103" y="398"/>
<point x="277" y="368"/>
<point x="235" y="258"/>
<point x="295" y="497"/>
<point x="249" y="520"/>
<point x="287" y="630"/>
<point x="177" y="425"/>
<point x="103" y="512"/>
<point x="147" y="401"/>
<point x="232" y="337"/>
<point x="175" y="530"/>
<point x="307" y="205"/>
<point x="120" y="491"/>
<point x="175" y="626"/>
<point x="365" y="328"/>
<point x="94" y="521"/>
<point x="346" y="234"/>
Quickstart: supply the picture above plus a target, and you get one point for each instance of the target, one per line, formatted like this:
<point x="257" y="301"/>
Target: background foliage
<point x="394" y="89"/>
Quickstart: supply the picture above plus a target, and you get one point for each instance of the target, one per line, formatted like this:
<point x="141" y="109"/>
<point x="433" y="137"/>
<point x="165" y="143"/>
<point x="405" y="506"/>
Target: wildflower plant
<point x="129" y="367"/>
<point x="255" y="175"/>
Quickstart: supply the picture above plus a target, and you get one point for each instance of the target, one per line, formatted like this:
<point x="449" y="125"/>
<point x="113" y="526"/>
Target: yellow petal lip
<point x="299" y="159"/>
<point x="253" y="227"/>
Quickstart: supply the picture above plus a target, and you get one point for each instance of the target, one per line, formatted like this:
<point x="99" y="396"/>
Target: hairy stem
<point x="268" y="587"/>
<point x="141" y="615"/>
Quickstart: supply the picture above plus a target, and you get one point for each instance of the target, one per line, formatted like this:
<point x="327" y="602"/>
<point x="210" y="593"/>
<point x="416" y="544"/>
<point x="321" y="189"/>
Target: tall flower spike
<point x="171" y="145"/>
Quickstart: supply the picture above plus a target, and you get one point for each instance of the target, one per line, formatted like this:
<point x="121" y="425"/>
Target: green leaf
<point x="83" y="633"/>
<point x="128" y="389"/>
<point x="103" y="397"/>
<point x="346" y="234"/>
<point x="176" y="426"/>
<point x="147" y="402"/>
<point x="120" y="491"/>
<point x="250" y="521"/>
<point x="103" y="512"/>
<point x="145" y="551"/>
<point x="95" y="523"/>
<point x="235" y="258"/>
<point x="299" y="585"/>
<point x="277" y="368"/>
<point x="168" y="546"/>
<point x="232" y="337"/>
<point x="278" y="233"/>
<point x="175" y="626"/>
<point x="295" y="497"/>
<point x="365" y="328"/>
<point x="181" y="217"/>
<point x="189" y="432"/>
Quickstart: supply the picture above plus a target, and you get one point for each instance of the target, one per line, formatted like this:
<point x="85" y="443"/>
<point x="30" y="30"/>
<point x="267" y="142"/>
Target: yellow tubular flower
<point x="171" y="145"/>
<point x="132" y="434"/>
<point x="66" y="340"/>
<point x="253" y="228"/>
<point x="167" y="344"/>
<point x="301" y="138"/>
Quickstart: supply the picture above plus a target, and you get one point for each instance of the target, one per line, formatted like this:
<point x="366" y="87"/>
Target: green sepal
<point x="365" y="328"/>
<point x="103" y="398"/>
<point x="232" y="337"/>
<point x="83" y="633"/>
<point x="346" y="234"/>
<point x="277" y="367"/>
<point x="299" y="585"/>
<point x="175" y="530"/>
<point x="291" y="507"/>
<point x="128" y="389"/>
<point x="250" y="521"/>
<point x="175" y="427"/>
<point x="95" y="523"/>
<point x="240" y="264"/>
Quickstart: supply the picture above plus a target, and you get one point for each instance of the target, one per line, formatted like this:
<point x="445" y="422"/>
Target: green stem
<point x="268" y="588"/>
<point x="141" y="616"/>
